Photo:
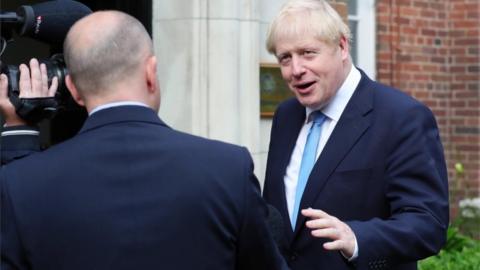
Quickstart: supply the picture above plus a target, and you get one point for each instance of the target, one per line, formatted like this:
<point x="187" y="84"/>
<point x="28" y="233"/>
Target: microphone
<point x="47" y="21"/>
<point x="275" y="224"/>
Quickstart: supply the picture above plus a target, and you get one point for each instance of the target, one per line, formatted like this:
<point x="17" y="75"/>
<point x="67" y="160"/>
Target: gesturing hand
<point x="324" y="225"/>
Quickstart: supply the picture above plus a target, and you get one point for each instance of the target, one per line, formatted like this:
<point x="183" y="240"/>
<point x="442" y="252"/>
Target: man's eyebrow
<point x="282" y="54"/>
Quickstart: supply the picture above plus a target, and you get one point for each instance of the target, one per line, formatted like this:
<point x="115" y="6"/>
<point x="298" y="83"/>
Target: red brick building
<point x="431" y="50"/>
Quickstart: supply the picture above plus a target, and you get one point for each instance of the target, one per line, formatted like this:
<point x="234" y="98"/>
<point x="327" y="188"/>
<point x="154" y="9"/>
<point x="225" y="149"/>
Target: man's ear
<point x="73" y="91"/>
<point x="344" y="47"/>
<point x="151" y="74"/>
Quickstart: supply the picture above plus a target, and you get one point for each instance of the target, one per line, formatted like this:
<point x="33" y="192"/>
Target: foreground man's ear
<point x="73" y="91"/>
<point x="151" y="73"/>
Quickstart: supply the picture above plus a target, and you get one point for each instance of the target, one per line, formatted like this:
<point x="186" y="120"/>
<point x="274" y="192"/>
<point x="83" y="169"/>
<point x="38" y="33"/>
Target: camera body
<point x="36" y="109"/>
<point x="55" y="67"/>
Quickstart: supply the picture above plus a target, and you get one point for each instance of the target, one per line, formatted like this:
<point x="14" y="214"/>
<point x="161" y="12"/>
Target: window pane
<point x="352" y="6"/>
<point x="353" y="49"/>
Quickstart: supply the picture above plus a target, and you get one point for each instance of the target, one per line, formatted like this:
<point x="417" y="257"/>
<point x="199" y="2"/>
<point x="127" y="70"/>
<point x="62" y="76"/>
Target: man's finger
<point x="36" y="77"/>
<point x="314" y="213"/>
<point x="319" y="223"/>
<point x="24" y="84"/>
<point x="3" y="86"/>
<point x="44" y="79"/>
<point x="53" y="88"/>
<point x="330" y="233"/>
<point x="335" y="245"/>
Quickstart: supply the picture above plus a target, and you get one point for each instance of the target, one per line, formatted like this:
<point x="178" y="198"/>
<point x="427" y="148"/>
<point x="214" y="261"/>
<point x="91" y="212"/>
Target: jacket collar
<point x="127" y="113"/>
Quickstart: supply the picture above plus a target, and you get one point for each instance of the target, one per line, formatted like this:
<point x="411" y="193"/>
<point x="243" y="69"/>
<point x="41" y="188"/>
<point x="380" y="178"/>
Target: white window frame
<point x="365" y="37"/>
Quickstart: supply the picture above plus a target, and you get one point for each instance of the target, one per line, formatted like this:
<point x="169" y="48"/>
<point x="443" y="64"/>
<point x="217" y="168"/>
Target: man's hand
<point x="33" y="84"/>
<point x="325" y="226"/>
<point x="6" y="107"/>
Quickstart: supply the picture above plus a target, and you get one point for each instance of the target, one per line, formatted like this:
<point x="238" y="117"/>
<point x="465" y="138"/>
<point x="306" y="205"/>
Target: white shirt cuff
<point x="355" y="253"/>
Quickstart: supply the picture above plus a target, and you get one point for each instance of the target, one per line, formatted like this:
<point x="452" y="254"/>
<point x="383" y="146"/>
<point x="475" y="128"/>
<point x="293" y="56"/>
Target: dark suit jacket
<point x="14" y="147"/>
<point x="128" y="192"/>
<point x="382" y="171"/>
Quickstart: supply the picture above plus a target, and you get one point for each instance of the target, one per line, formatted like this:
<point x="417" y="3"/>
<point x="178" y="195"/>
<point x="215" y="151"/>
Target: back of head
<point x="105" y="48"/>
<point x="300" y="18"/>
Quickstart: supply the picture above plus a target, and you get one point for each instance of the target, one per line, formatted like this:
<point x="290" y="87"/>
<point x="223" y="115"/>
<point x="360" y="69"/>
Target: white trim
<point x="366" y="37"/>
<point x="20" y="132"/>
<point x="116" y="104"/>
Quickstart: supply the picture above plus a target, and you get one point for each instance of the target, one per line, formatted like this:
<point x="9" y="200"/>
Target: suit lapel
<point x="353" y="123"/>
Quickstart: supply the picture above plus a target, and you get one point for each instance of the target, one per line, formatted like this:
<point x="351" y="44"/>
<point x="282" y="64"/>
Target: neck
<point x="348" y="66"/>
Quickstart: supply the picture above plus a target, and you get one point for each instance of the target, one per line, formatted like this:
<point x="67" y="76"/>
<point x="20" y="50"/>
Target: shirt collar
<point x="334" y="109"/>
<point x="116" y="104"/>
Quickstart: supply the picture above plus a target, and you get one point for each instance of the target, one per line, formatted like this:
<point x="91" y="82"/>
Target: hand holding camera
<point x="33" y="84"/>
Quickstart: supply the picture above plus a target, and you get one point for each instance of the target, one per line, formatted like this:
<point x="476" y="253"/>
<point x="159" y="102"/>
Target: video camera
<point x="48" y="22"/>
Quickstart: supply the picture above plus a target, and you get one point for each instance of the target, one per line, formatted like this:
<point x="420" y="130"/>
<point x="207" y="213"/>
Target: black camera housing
<point x="37" y="109"/>
<point x="55" y="68"/>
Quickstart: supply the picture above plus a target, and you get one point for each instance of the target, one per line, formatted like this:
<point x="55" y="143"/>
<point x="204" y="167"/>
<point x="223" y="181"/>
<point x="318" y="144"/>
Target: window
<point x="361" y="19"/>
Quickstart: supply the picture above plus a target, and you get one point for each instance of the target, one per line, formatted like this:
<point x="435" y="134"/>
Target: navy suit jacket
<point x="382" y="172"/>
<point x="128" y="192"/>
<point x="17" y="146"/>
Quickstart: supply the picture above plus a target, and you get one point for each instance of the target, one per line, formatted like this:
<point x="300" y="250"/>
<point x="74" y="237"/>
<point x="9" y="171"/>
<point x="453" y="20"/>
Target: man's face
<point x="314" y="70"/>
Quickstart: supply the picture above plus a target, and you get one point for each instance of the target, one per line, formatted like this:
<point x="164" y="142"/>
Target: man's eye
<point x="284" y="59"/>
<point x="309" y="53"/>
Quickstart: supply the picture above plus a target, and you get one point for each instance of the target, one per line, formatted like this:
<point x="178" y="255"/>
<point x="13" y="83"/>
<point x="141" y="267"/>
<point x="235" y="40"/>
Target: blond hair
<point x="299" y="18"/>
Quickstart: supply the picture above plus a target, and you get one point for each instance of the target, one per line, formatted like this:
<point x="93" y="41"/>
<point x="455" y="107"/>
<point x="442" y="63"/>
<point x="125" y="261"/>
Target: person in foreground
<point x="127" y="192"/>
<point x="355" y="167"/>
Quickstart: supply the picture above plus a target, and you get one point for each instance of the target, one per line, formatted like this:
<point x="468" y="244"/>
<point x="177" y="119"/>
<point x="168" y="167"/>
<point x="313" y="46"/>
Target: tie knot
<point x="317" y="117"/>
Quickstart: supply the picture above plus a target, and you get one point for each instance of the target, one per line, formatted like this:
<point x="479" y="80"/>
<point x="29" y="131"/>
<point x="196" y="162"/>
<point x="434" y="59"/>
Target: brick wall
<point x="430" y="49"/>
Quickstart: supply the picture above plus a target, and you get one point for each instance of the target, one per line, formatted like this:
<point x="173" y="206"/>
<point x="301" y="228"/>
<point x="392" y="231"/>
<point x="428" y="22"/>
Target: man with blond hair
<point x="355" y="167"/>
<point x="127" y="192"/>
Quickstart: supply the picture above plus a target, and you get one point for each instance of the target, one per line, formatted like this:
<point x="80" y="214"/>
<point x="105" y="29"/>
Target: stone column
<point x="208" y="68"/>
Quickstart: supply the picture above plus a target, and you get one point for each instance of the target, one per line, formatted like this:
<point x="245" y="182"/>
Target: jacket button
<point x="293" y="256"/>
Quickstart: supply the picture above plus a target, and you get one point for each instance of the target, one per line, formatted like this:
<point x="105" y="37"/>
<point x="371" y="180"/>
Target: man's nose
<point x="297" y="66"/>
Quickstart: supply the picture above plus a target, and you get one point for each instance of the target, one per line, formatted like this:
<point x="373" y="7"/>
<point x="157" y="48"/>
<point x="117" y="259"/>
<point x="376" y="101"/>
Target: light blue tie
<point x="308" y="160"/>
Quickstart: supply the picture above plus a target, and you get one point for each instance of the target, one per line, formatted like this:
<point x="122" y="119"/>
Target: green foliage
<point x="460" y="253"/>
<point x="459" y="169"/>
<point x="462" y="250"/>
<point x="469" y="219"/>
